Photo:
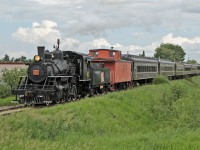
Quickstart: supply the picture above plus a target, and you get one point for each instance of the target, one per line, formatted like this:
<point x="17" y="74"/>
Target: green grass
<point x="7" y="101"/>
<point x="163" y="116"/>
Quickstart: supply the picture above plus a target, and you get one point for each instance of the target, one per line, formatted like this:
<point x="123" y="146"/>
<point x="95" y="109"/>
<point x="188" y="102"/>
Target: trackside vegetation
<point x="7" y="101"/>
<point x="8" y="79"/>
<point x="158" y="116"/>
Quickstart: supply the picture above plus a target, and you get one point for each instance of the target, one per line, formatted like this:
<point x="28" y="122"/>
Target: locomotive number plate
<point x="36" y="72"/>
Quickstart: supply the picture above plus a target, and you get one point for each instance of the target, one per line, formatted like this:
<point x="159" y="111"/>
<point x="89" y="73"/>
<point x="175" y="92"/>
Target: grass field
<point x="162" y="116"/>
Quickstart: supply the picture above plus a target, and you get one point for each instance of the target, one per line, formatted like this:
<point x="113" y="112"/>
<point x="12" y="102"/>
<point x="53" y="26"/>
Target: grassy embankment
<point x="163" y="116"/>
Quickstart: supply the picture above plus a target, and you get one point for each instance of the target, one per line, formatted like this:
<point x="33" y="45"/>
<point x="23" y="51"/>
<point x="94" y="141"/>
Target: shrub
<point x="160" y="80"/>
<point x="10" y="78"/>
<point x="178" y="91"/>
<point x="5" y="91"/>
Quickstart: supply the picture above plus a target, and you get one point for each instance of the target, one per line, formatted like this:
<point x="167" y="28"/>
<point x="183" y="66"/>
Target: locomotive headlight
<point x="37" y="58"/>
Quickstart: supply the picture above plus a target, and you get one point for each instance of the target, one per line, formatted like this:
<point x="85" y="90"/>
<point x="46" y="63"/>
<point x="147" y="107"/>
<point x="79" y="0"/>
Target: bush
<point x="5" y="91"/>
<point x="178" y="91"/>
<point x="10" y="78"/>
<point x="160" y="80"/>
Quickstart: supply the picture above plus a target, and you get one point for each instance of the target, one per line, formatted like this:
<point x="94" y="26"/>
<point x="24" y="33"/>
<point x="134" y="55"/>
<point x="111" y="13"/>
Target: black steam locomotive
<point x="59" y="76"/>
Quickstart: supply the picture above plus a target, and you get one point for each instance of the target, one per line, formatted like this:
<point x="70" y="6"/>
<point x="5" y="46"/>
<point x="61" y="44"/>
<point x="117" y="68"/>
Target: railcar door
<point x="86" y="69"/>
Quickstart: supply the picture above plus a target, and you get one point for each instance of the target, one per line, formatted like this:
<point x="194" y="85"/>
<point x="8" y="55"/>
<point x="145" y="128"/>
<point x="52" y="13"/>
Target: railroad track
<point x="6" y="110"/>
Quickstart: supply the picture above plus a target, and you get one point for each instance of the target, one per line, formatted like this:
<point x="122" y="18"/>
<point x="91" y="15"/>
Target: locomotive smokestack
<point x="41" y="51"/>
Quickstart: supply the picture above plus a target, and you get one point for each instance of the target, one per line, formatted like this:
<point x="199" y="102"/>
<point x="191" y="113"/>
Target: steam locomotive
<point x="60" y="76"/>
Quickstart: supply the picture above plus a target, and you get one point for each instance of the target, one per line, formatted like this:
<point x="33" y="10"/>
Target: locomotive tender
<point x="60" y="76"/>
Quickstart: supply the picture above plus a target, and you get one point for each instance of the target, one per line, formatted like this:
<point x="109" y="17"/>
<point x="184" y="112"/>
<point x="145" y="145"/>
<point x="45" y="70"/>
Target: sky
<point x="127" y="25"/>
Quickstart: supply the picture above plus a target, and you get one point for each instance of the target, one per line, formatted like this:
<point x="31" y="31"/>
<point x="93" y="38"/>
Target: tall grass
<point x="160" y="80"/>
<point x="7" y="101"/>
<point x="163" y="116"/>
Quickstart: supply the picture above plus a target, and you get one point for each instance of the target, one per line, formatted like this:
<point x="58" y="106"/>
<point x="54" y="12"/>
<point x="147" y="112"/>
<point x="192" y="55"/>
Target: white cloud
<point x="169" y="38"/>
<point x="75" y="45"/>
<point x="39" y="33"/>
<point x="70" y="44"/>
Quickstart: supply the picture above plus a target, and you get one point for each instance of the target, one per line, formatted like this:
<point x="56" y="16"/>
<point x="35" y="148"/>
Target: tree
<point x="170" y="51"/>
<point x="12" y="59"/>
<point x="21" y="59"/>
<point x="6" y="58"/>
<point x="191" y="61"/>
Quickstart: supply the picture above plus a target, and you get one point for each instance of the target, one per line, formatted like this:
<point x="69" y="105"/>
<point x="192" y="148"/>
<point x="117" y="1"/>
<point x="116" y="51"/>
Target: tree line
<point x="170" y="52"/>
<point x="7" y="58"/>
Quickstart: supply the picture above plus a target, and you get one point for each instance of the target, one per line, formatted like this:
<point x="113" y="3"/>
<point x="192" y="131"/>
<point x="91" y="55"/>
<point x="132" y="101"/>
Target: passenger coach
<point x="142" y="68"/>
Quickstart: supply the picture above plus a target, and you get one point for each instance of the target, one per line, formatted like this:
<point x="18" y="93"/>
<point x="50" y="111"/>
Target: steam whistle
<point x="58" y="42"/>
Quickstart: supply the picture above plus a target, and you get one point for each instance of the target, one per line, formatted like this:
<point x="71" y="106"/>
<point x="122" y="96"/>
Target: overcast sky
<point x="127" y="25"/>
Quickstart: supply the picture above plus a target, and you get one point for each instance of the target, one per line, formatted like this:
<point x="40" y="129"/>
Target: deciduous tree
<point x="170" y="51"/>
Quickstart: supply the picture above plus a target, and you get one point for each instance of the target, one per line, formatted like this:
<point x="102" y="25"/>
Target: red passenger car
<point x="120" y="70"/>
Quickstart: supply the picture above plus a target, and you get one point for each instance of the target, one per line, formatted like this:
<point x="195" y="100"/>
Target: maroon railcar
<point x="120" y="70"/>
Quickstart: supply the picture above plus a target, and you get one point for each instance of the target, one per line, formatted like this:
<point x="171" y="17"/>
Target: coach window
<point x="139" y="69"/>
<point x="95" y="54"/>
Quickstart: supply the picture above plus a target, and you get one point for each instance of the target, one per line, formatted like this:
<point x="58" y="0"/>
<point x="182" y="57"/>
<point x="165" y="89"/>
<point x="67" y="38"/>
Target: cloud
<point x="169" y="38"/>
<point x="44" y="32"/>
<point x="97" y="18"/>
<point x="114" y="1"/>
<point x="47" y="32"/>
<point x="75" y="45"/>
<point x="57" y="2"/>
<point x="191" y="6"/>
